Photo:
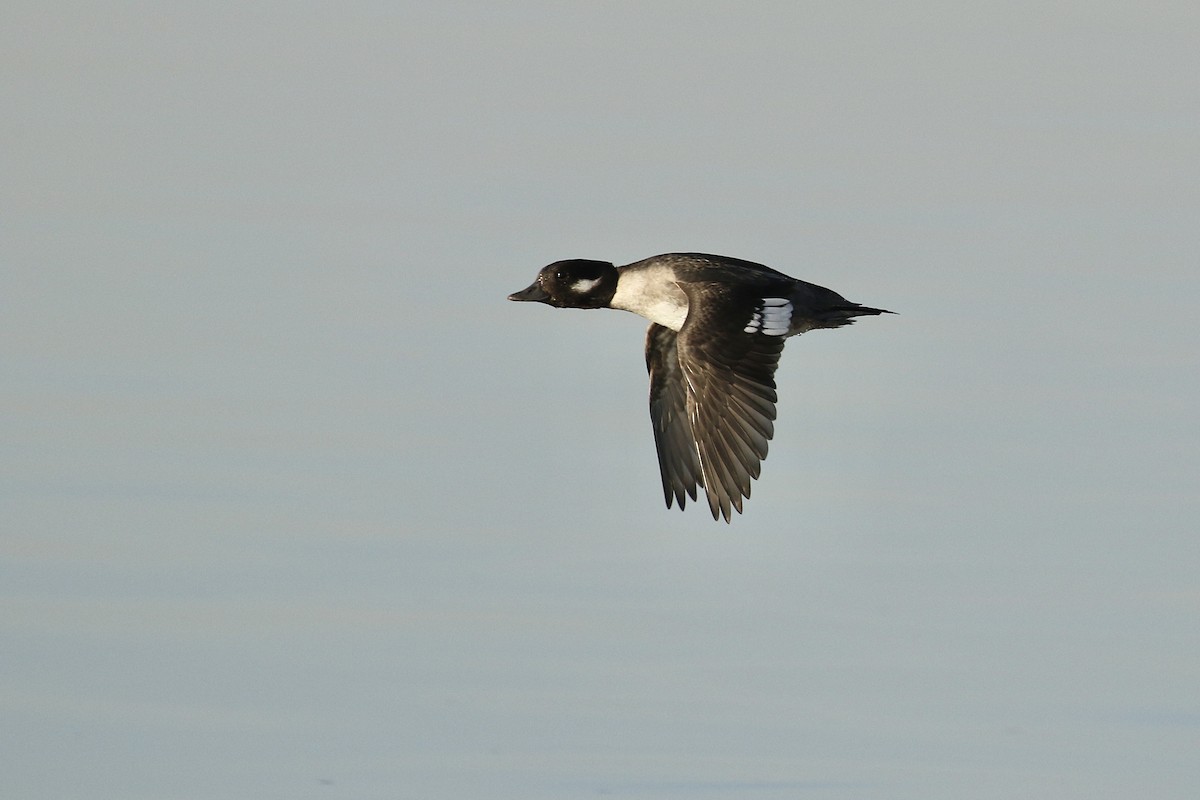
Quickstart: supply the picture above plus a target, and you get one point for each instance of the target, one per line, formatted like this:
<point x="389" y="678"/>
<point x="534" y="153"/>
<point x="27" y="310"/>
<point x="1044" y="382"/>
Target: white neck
<point x="651" y="292"/>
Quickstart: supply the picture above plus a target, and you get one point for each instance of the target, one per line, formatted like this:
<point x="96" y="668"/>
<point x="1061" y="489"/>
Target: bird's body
<point x="717" y="330"/>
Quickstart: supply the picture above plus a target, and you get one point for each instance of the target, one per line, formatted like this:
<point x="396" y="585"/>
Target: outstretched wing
<point x="678" y="461"/>
<point x="728" y="350"/>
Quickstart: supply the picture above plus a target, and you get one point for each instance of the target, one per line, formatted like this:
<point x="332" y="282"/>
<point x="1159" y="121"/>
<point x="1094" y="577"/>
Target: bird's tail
<point x="837" y="316"/>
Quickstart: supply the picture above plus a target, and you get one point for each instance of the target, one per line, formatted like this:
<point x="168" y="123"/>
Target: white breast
<point x="652" y="293"/>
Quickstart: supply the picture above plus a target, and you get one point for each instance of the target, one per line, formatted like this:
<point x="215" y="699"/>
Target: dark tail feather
<point x="836" y="316"/>
<point x="865" y="311"/>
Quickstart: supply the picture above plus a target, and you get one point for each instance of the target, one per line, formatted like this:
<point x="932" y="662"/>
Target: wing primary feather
<point x="674" y="441"/>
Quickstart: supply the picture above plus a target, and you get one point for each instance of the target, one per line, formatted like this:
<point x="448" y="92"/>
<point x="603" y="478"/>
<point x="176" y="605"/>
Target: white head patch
<point x="773" y="317"/>
<point x="583" y="285"/>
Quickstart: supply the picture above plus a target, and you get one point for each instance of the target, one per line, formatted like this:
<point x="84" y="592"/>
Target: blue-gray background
<point x="295" y="505"/>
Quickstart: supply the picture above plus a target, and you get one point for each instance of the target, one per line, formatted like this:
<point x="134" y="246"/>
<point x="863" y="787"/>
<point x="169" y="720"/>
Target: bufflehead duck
<point x="717" y="327"/>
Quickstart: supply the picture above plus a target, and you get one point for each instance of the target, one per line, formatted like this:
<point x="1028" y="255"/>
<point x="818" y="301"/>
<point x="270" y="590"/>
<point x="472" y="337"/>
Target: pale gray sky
<point x="293" y="504"/>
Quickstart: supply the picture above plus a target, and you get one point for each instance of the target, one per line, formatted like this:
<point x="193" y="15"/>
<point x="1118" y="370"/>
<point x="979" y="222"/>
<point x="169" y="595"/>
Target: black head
<point x="575" y="283"/>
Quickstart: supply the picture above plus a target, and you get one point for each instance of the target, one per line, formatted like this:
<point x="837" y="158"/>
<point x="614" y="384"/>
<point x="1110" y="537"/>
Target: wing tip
<point x="723" y="506"/>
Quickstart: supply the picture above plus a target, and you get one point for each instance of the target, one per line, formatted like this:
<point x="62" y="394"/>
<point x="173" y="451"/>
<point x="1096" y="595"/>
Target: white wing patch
<point x="773" y="317"/>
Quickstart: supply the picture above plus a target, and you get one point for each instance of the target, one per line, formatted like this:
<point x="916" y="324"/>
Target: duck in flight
<point x="717" y="328"/>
